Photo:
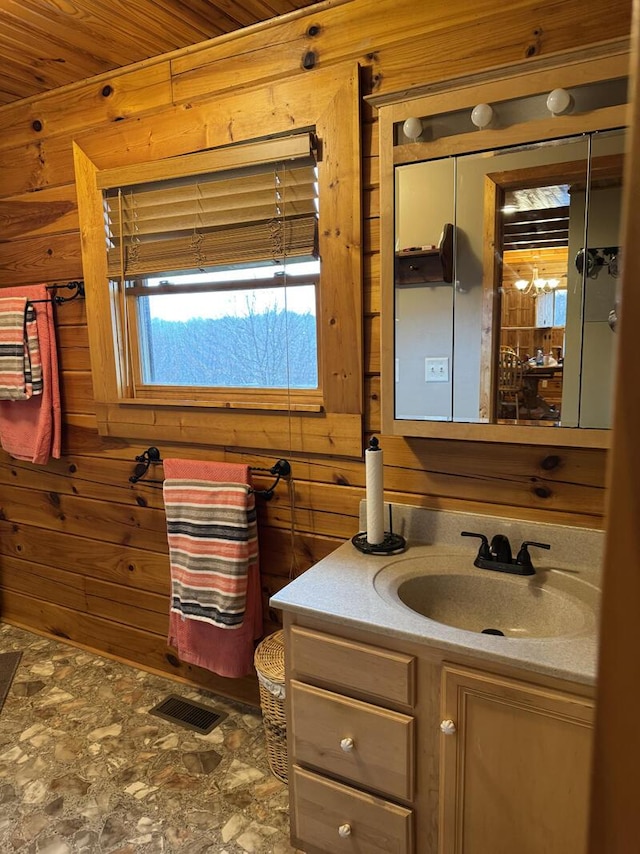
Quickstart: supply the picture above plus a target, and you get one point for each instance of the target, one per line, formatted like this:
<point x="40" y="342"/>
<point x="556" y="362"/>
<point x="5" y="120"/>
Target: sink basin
<point x="546" y="605"/>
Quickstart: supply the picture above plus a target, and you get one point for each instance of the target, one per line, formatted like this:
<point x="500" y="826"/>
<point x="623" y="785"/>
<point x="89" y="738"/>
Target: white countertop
<point x="340" y="589"/>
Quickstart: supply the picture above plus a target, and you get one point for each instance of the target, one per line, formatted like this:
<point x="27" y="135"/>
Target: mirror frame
<point x="569" y="71"/>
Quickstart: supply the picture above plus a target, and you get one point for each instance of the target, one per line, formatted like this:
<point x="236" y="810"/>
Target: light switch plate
<point x="436" y="370"/>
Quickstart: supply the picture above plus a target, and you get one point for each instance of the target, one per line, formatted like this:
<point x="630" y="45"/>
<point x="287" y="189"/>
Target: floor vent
<point x="188" y="713"/>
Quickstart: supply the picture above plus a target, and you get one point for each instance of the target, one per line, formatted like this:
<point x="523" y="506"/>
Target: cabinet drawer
<point x="333" y="817"/>
<point x="354" y="666"/>
<point x="380" y="754"/>
<point x="419" y="269"/>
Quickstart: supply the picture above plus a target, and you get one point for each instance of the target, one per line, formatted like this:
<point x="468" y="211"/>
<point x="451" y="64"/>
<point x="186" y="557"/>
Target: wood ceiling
<point x="45" y="44"/>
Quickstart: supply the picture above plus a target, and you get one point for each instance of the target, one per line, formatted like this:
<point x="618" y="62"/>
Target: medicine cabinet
<point x="501" y="256"/>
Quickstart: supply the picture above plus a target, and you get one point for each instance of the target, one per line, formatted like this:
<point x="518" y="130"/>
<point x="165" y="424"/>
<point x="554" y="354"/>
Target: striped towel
<point x="20" y="361"/>
<point x="212" y="535"/>
<point x="32" y="431"/>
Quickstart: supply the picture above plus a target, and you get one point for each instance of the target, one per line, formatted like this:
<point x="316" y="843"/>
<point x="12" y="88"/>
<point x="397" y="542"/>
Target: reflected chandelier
<point x="536" y="285"/>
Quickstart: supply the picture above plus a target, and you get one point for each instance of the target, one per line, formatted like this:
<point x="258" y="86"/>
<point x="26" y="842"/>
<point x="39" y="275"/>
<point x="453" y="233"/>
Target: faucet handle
<point x="484" y="551"/>
<point x="524" y="558"/>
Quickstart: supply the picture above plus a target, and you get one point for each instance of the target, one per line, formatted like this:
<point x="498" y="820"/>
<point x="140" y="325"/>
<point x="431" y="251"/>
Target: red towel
<point x="212" y="594"/>
<point x="31" y="429"/>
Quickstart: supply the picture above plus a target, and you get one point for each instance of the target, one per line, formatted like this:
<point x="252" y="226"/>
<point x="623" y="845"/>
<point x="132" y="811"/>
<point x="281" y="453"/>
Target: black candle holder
<point x="392" y="544"/>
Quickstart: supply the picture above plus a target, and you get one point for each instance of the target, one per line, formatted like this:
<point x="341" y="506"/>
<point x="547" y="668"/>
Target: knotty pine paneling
<point x="137" y="527"/>
<point x="65" y="112"/>
<point x="372" y="407"/>
<point x="438" y="41"/>
<point x="76" y="389"/>
<point x="127" y="567"/>
<point x="371" y="241"/>
<point x="42" y="164"/>
<point x="371" y="202"/>
<point x="51" y="258"/>
<point x="73" y="351"/>
<point x="53" y="585"/>
<point x="53" y="209"/>
<point x="371" y="284"/>
<point x="119" y="641"/>
<point x="372" y="344"/>
<point x="285" y="555"/>
<point x="146" y="611"/>
<point x="83" y="553"/>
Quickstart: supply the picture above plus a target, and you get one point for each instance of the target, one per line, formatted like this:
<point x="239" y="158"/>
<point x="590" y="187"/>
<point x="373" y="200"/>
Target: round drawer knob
<point x="344" y="830"/>
<point x="447" y="727"/>
<point x="347" y="744"/>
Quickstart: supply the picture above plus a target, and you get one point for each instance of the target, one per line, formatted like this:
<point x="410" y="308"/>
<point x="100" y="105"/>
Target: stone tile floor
<point x="84" y="769"/>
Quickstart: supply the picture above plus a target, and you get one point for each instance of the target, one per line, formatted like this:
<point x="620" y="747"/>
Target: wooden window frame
<point x="326" y="101"/>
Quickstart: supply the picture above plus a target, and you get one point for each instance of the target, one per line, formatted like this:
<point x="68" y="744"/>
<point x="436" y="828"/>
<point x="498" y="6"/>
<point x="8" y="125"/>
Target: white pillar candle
<point x="375" y="493"/>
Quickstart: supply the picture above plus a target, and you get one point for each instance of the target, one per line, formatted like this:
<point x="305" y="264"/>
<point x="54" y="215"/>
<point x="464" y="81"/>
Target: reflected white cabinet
<point x="545" y="309"/>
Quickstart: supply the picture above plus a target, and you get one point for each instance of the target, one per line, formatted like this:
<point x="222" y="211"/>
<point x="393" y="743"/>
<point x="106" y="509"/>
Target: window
<point x="255" y="330"/>
<point x="219" y="273"/>
<point x="232" y="282"/>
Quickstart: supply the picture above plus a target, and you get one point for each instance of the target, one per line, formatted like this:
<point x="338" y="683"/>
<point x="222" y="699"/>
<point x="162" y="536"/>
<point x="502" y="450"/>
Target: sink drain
<point x="492" y="632"/>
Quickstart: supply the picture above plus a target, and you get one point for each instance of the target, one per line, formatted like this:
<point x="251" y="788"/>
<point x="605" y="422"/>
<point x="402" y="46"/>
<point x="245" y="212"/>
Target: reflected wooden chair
<point x="510" y="383"/>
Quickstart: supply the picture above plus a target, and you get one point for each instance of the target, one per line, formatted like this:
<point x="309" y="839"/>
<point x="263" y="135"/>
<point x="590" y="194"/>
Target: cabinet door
<point x="544" y="309"/>
<point x="515" y="767"/>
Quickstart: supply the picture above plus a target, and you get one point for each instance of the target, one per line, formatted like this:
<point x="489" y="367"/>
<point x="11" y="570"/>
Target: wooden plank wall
<point x="83" y="553"/>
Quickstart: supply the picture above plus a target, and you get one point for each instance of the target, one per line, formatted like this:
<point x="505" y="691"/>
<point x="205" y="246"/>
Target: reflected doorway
<point x="533" y="303"/>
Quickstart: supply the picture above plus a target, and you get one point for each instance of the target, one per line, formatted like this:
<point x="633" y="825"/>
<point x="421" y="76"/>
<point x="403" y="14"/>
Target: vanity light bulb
<point x="412" y="128"/>
<point x="558" y="101"/>
<point x="553" y="283"/>
<point x="482" y="115"/>
<point x="521" y="284"/>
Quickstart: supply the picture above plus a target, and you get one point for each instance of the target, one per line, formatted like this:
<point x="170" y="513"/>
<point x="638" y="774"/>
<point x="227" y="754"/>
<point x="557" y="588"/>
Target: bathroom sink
<point x="545" y="605"/>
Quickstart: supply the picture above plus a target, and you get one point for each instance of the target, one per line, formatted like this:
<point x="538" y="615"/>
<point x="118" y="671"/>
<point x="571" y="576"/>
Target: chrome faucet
<point x="498" y="555"/>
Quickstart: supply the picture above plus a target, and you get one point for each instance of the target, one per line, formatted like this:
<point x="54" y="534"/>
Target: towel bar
<point x="56" y="299"/>
<point x="280" y="469"/>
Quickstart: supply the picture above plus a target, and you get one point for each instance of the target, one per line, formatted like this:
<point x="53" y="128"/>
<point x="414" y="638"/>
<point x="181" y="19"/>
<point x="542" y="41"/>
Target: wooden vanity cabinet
<point x="395" y="748"/>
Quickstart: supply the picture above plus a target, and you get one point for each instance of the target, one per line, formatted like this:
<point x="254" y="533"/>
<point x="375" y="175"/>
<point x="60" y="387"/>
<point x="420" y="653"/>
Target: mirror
<point x="505" y="267"/>
<point x="550" y="362"/>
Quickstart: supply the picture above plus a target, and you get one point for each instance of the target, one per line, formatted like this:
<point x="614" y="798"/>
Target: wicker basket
<point x="269" y="663"/>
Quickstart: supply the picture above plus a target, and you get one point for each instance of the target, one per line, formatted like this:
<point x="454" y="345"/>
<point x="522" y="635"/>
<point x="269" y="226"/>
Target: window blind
<point x="257" y="213"/>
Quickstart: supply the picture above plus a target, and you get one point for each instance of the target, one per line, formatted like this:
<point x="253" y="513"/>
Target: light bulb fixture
<point x="482" y="115"/>
<point x="536" y="284"/>
<point x="559" y="101"/>
<point x="412" y="128"/>
<point x="538" y="281"/>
